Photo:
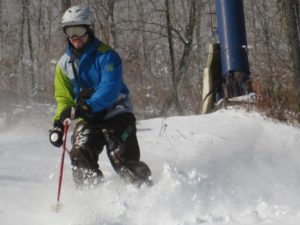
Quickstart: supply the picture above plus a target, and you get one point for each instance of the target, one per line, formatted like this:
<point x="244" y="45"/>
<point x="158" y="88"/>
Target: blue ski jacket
<point x="98" y="67"/>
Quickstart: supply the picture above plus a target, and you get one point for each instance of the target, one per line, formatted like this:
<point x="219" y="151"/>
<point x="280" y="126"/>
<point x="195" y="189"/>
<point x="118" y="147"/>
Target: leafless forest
<point x="163" y="44"/>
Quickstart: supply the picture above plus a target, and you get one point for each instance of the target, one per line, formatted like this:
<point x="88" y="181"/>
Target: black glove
<point x="56" y="136"/>
<point x="84" y="110"/>
<point x="68" y="113"/>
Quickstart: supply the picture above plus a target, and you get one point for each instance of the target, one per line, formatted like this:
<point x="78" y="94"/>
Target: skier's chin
<point x="79" y="42"/>
<point x="78" y="45"/>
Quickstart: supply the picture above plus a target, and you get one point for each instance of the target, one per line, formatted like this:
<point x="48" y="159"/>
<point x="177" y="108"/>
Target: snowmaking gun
<point x="227" y="71"/>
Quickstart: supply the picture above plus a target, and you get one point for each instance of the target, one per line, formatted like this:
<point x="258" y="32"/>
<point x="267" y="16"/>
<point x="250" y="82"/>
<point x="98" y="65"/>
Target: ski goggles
<point x="75" y="31"/>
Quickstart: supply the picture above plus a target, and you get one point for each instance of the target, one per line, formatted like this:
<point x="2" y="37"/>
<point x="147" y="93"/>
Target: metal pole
<point x="232" y="36"/>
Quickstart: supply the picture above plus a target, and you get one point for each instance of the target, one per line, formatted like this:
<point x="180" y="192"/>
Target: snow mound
<point x="228" y="167"/>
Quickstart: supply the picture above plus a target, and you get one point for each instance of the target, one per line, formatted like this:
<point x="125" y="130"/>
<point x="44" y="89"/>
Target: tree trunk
<point x="21" y="53"/>
<point x="146" y="52"/>
<point x="112" y="25"/>
<point x="189" y="35"/>
<point x="65" y="4"/>
<point x="30" y="49"/>
<point x="292" y="17"/>
<point x="174" y="95"/>
<point x="1" y="35"/>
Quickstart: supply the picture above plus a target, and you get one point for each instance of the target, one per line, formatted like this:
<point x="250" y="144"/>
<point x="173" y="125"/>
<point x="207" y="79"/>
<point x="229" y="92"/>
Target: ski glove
<point x="56" y="136"/>
<point x="81" y="110"/>
<point x="56" y="133"/>
<point x="84" y="110"/>
<point x="68" y="113"/>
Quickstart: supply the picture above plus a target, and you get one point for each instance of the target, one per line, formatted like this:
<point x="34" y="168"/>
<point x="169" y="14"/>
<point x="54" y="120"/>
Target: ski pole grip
<point x="67" y="121"/>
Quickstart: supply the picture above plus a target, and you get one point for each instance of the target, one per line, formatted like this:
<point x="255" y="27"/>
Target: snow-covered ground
<point x="228" y="167"/>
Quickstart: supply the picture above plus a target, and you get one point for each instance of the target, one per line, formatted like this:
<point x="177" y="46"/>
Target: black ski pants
<point x="118" y="134"/>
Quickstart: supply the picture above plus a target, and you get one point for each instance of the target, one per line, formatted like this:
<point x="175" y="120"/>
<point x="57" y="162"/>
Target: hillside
<point x="228" y="167"/>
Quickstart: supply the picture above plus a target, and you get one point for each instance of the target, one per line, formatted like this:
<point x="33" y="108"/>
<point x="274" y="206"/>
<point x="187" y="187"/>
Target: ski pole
<point x="66" y="127"/>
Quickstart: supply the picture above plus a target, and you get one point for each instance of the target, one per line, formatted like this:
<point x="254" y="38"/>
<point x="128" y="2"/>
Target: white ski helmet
<point x="78" y="15"/>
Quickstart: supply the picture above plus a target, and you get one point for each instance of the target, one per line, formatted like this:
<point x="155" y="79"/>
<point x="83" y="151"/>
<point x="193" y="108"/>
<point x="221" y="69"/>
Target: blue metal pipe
<point x="232" y="36"/>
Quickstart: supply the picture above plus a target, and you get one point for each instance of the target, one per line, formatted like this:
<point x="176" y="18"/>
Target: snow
<point x="228" y="167"/>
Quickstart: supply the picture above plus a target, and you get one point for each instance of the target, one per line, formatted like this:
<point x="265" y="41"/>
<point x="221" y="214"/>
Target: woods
<point x="163" y="44"/>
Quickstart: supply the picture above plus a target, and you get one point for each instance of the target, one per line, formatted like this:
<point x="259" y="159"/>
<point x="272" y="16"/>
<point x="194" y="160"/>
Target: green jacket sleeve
<point x="63" y="90"/>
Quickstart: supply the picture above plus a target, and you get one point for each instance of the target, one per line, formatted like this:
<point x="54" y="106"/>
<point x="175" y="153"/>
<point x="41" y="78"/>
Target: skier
<point x="89" y="87"/>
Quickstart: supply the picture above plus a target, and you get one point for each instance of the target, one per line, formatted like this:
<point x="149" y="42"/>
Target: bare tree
<point x="1" y="35"/>
<point x="30" y="48"/>
<point x="185" y="33"/>
<point x="291" y="13"/>
<point x="105" y="21"/>
<point x="65" y="4"/>
<point x="173" y="98"/>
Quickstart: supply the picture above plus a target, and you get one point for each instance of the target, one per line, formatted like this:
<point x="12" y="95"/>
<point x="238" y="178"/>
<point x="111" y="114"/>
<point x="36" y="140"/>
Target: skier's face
<point x="79" y="42"/>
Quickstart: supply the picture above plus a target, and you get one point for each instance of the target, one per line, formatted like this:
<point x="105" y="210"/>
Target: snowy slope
<point x="229" y="167"/>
